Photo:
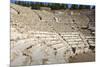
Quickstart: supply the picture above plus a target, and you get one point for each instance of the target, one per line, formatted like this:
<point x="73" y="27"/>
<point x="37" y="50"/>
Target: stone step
<point x="72" y="40"/>
<point x="90" y="37"/>
<point x="43" y="35"/>
<point x="38" y="32"/>
<point x="78" y="44"/>
<point x="55" y="42"/>
<point x="75" y="42"/>
<point x="91" y="42"/>
<point x="50" y="39"/>
<point x="57" y="46"/>
<point x="69" y="35"/>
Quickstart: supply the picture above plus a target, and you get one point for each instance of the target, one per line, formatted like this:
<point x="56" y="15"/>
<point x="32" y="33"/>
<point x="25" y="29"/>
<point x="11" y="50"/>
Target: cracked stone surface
<point x="49" y="37"/>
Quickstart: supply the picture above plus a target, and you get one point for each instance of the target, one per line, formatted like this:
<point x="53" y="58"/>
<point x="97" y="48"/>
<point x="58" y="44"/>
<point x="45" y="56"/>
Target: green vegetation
<point x="74" y="6"/>
<point x="84" y="7"/>
<point x="53" y="6"/>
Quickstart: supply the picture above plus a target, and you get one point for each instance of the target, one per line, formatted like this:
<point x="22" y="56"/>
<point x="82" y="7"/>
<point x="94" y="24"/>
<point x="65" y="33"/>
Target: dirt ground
<point x="84" y="57"/>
